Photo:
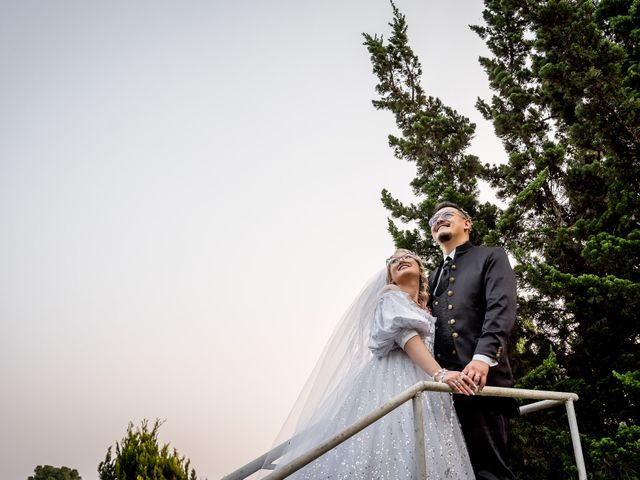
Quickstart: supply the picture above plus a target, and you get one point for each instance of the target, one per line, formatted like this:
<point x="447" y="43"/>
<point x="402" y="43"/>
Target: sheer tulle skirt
<point x="385" y="450"/>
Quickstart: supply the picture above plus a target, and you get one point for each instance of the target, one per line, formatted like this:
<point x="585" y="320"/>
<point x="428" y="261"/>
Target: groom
<point x="473" y="297"/>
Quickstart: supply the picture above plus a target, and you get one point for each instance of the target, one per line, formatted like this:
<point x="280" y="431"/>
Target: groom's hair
<point x="446" y="204"/>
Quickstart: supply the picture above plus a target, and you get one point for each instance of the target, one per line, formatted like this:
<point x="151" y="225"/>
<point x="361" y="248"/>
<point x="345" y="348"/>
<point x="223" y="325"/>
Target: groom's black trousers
<point x="485" y="425"/>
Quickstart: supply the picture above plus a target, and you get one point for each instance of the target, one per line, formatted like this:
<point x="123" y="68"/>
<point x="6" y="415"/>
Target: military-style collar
<point x="465" y="247"/>
<point x="459" y="250"/>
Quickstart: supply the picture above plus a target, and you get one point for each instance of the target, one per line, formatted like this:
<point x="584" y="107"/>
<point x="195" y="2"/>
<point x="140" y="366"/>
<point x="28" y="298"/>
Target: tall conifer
<point x="566" y="105"/>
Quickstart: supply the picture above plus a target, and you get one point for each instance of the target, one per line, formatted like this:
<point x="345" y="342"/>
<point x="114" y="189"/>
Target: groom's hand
<point x="477" y="371"/>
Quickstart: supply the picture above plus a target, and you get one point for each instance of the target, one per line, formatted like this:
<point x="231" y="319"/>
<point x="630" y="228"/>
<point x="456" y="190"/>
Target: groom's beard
<point x="444" y="236"/>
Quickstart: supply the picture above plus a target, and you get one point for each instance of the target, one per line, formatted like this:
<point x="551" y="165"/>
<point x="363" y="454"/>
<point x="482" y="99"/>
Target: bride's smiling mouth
<point x="402" y="266"/>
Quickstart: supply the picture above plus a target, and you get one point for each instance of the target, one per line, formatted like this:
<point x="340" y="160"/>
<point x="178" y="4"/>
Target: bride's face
<point x="403" y="266"/>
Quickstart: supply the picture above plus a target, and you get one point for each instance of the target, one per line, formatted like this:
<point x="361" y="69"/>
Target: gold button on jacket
<point x="485" y="308"/>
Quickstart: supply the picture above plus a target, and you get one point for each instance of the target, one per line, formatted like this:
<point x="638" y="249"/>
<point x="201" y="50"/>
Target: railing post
<point x="418" y="430"/>
<point x="575" y="439"/>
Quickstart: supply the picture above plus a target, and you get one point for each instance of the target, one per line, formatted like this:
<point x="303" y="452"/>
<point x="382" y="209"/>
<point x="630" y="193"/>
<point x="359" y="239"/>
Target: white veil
<point x="342" y="359"/>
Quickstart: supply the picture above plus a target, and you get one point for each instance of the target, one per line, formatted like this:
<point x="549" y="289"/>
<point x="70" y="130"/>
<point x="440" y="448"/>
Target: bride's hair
<point x="423" y="289"/>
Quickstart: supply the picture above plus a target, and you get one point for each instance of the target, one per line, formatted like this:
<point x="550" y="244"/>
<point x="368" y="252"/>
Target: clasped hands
<point x="471" y="380"/>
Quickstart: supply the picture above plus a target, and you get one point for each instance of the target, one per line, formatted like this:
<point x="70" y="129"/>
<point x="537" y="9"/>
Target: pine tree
<point x="433" y="136"/>
<point x="566" y="79"/>
<point x="566" y="105"/>
<point x="139" y="456"/>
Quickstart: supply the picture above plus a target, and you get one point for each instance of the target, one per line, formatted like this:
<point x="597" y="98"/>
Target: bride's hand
<point x="460" y="383"/>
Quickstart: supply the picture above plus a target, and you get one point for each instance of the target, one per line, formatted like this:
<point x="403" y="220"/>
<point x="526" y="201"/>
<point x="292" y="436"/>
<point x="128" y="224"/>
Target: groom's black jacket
<point x="476" y="312"/>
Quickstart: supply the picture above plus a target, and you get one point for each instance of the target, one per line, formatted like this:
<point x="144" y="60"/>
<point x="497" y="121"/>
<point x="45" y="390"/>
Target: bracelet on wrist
<point x="439" y="375"/>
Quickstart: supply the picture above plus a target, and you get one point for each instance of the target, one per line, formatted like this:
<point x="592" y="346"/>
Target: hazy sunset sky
<point x="189" y="200"/>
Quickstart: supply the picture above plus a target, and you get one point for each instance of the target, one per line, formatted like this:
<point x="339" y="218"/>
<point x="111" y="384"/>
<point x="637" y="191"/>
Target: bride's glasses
<point x="407" y="256"/>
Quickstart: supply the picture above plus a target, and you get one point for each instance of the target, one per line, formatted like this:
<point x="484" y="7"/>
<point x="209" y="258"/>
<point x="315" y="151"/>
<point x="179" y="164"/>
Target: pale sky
<point x="189" y="200"/>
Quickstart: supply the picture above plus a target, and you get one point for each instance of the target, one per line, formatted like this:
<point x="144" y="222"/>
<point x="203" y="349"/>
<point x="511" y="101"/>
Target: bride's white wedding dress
<point x="385" y="449"/>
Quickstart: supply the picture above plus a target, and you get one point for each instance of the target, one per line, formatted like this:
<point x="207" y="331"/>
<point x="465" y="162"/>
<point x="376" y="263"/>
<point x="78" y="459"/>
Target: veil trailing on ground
<point x="345" y="355"/>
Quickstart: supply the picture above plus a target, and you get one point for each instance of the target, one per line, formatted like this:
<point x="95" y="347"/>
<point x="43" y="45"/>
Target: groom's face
<point x="450" y="224"/>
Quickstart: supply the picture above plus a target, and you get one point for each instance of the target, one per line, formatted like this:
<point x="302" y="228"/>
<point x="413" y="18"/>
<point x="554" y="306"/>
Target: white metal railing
<point x="546" y="399"/>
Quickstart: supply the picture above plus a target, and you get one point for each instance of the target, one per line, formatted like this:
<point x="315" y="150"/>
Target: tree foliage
<point x="432" y="135"/>
<point x="48" y="472"/>
<point x="565" y="77"/>
<point x="138" y="456"/>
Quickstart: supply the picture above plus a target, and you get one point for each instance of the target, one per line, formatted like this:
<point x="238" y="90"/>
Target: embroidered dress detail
<point x="386" y="450"/>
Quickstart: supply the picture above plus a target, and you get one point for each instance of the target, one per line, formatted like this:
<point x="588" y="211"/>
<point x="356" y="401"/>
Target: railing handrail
<point x="547" y="399"/>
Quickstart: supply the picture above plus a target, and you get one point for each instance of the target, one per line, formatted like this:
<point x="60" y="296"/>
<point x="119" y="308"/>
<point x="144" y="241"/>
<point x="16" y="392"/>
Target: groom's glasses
<point x="407" y="256"/>
<point x="446" y="215"/>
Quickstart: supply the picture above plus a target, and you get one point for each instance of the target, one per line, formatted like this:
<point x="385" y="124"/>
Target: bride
<point x="382" y="346"/>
